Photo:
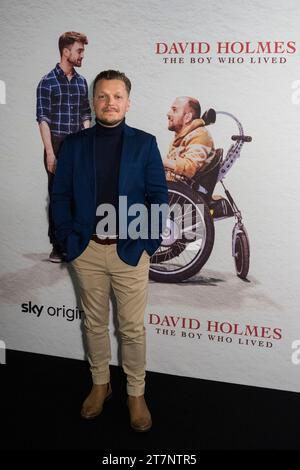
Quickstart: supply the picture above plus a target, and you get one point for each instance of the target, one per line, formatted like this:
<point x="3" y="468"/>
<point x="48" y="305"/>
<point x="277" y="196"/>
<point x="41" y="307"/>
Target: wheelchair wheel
<point x="241" y="255"/>
<point x="190" y="238"/>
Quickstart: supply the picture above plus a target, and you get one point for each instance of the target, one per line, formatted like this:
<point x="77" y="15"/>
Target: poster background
<point x="264" y="181"/>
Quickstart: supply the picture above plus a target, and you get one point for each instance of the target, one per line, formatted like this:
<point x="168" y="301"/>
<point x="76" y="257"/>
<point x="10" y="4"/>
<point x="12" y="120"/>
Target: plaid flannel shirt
<point x="63" y="103"/>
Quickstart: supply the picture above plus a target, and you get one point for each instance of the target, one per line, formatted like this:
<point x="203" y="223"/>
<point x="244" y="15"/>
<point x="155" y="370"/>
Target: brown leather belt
<point x="104" y="241"/>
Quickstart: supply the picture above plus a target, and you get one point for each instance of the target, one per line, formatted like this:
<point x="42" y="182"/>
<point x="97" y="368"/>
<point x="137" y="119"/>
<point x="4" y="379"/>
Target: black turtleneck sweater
<point x="108" y="149"/>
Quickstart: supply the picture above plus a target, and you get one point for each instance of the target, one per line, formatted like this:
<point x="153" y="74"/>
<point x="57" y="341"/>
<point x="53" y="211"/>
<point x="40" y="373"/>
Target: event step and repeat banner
<point x="226" y="306"/>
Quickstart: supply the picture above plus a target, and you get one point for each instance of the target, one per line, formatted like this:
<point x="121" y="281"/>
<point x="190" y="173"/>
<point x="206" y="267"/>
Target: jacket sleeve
<point x="195" y="155"/>
<point x="62" y="193"/>
<point x="156" y="194"/>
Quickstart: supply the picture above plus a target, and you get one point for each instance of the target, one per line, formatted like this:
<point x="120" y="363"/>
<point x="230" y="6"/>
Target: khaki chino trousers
<point x="98" y="269"/>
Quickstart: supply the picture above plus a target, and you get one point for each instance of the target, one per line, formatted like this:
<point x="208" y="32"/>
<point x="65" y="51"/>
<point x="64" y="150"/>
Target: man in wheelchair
<point x="193" y="168"/>
<point x="192" y="148"/>
<point x="192" y="157"/>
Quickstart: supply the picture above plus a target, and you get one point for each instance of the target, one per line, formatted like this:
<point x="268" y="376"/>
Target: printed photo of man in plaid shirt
<point x="62" y="108"/>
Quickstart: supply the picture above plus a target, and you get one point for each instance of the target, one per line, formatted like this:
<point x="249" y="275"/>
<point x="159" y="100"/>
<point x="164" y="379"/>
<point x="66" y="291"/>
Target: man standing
<point x="96" y="168"/>
<point x="62" y="108"/>
<point x="192" y="148"/>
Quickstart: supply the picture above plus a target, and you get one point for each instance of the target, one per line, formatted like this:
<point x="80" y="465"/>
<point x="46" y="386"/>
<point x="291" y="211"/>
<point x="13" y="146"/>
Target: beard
<point x="75" y="62"/>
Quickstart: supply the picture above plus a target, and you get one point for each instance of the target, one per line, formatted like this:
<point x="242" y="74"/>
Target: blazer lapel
<point x="126" y="157"/>
<point x="89" y="159"/>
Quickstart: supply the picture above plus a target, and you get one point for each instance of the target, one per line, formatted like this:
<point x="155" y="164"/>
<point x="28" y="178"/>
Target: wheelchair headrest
<point x="209" y="117"/>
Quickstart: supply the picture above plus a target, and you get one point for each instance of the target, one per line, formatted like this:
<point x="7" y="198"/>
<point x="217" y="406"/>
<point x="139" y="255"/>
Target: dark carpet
<point x="41" y="398"/>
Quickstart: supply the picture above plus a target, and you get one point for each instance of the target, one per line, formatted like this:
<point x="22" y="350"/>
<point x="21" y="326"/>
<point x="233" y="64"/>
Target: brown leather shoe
<point x="140" y="417"/>
<point x="93" y="404"/>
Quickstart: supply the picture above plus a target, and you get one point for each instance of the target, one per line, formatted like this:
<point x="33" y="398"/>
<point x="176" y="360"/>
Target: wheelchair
<point x="180" y="255"/>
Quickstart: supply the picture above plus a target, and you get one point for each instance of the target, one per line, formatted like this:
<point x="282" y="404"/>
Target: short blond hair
<point x="112" y="75"/>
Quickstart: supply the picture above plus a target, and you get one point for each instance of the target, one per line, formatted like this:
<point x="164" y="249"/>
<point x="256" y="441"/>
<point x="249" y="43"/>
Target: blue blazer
<point x="73" y="198"/>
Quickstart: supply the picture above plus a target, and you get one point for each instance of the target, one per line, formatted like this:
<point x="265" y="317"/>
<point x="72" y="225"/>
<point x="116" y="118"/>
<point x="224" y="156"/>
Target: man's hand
<point x="51" y="162"/>
<point x="169" y="164"/>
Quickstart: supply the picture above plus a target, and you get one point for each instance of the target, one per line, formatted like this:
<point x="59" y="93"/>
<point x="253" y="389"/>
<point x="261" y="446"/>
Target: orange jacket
<point x="192" y="149"/>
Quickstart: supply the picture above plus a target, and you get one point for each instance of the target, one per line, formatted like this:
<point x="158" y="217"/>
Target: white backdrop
<point x="123" y="35"/>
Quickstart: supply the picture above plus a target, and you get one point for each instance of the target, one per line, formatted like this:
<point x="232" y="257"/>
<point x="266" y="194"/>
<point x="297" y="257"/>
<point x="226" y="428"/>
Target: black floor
<point x="41" y="398"/>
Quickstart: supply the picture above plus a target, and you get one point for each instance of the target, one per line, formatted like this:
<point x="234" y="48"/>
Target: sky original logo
<point x="32" y="308"/>
<point x="68" y="314"/>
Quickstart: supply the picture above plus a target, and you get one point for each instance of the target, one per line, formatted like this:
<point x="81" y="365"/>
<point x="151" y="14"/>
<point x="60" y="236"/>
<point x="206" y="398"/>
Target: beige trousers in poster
<point x="98" y="269"/>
